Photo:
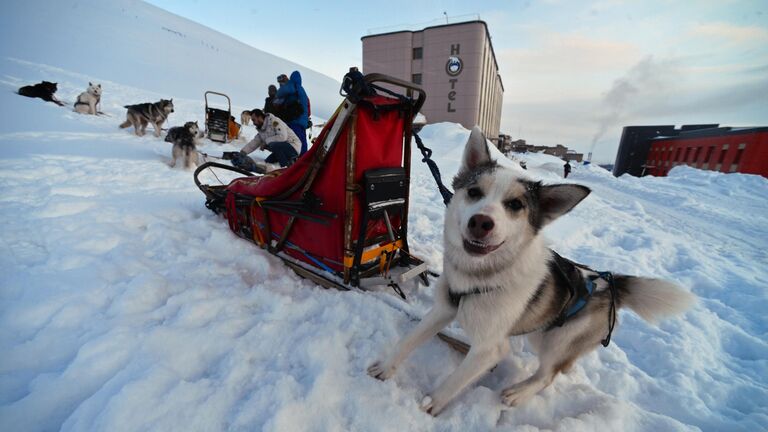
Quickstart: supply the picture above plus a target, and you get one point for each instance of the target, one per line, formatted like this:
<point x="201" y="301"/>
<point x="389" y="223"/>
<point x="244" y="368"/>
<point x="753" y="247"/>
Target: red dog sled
<point x="339" y="214"/>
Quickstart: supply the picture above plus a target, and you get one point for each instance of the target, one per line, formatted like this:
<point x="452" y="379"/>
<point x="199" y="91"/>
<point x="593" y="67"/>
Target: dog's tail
<point x="653" y="299"/>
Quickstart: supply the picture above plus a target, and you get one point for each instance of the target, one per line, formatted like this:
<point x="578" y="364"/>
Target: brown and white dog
<point x="245" y="118"/>
<point x="500" y="279"/>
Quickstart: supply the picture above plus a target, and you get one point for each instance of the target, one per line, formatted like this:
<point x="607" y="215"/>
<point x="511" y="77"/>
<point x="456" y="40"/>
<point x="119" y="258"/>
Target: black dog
<point x="43" y="90"/>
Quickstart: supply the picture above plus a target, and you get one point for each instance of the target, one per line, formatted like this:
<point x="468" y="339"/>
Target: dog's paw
<point x="381" y="372"/>
<point x="516" y="395"/>
<point x="431" y="405"/>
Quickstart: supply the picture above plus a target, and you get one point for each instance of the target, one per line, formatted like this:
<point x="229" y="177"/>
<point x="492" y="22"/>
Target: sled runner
<point x="217" y="119"/>
<point x="339" y="214"/>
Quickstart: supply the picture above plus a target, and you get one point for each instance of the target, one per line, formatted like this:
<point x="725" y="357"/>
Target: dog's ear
<point x="557" y="200"/>
<point x="476" y="152"/>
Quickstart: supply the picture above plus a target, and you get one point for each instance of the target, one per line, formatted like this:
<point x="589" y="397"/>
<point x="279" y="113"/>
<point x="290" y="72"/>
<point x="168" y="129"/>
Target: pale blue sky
<point x="574" y="72"/>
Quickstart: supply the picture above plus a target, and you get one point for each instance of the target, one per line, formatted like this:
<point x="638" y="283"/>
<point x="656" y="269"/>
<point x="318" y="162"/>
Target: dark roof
<point x="487" y="34"/>
<point x="714" y="132"/>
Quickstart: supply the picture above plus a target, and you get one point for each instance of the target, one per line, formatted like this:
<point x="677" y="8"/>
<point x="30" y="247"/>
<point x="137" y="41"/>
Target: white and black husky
<point x="87" y="102"/>
<point x="184" y="139"/>
<point x="500" y="279"/>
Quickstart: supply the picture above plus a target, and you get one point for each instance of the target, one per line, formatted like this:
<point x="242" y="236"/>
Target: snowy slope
<point x="139" y="45"/>
<point x="126" y="305"/>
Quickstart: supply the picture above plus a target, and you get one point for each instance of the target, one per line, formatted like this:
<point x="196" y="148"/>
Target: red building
<point x="723" y="149"/>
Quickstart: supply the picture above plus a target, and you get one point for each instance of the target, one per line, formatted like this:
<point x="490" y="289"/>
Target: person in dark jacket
<point x="287" y="96"/>
<point x="269" y="101"/>
<point x="566" y="169"/>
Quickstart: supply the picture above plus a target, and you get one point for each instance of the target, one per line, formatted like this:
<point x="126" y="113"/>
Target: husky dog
<point x="189" y="129"/>
<point x="500" y="279"/>
<point x="88" y="101"/>
<point x="184" y="141"/>
<point x="245" y="118"/>
<point x="140" y="115"/>
<point x="43" y="90"/>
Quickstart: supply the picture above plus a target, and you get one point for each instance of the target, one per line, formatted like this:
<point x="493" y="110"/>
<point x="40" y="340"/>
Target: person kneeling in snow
<point x="273" y="135"/>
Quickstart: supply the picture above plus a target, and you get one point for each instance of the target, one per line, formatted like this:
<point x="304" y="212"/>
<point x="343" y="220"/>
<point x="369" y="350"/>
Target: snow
<point x="127" y="305"/>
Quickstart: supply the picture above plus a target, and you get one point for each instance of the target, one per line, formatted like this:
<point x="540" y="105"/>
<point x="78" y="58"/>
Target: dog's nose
<point x="480" y="225"/>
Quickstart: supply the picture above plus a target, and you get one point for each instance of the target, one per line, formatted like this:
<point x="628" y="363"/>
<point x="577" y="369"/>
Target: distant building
<point x="521" y="146"/>
<point x="657" y="149"/>
<point x="454" y="63"/>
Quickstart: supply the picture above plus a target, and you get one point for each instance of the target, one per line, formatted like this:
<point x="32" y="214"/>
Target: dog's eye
<point x="513" y="204"/>
<point x="474" y="192"/>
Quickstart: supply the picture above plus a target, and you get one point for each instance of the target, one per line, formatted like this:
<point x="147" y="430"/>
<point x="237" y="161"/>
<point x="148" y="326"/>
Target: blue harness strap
<point x="581" y="301"/>
<point x="579" y="297"/>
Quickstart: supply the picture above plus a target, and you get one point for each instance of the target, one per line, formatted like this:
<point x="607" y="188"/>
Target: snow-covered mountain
<point x="126" y="305"/>
<point x="136" y="44"/>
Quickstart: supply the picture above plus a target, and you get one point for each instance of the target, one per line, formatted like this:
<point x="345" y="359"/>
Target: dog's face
<point x="50" y="86"/>
<point x="192" y="127"/>
<point x="94" y="89"/>
<point x="166" y="106"/>
<point x="496" y="211"/>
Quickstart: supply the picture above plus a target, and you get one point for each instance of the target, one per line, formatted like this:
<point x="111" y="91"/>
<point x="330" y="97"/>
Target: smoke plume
<point x="648" y="80"/>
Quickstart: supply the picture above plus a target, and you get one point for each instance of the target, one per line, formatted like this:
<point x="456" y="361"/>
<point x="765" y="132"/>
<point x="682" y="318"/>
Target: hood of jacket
<point x="296" y="78"/>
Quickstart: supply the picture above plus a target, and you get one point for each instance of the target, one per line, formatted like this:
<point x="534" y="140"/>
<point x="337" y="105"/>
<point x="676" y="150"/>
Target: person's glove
<point x="242" y="161"/>
<point x="230" y="155"/>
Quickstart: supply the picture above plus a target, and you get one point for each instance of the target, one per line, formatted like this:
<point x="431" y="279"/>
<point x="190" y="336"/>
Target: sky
<point x="574" y="72"/>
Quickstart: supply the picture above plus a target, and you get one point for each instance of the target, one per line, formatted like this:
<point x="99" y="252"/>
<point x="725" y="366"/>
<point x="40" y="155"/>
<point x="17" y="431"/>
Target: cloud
<point x="731" y="33"/>
<point x="561" y="65"/>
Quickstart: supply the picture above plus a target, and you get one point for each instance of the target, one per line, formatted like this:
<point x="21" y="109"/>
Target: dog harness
<point x="580" y="289"/>
<point x="79" y="102"/>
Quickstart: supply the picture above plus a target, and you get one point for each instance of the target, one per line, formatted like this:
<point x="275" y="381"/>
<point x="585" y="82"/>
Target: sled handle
<point x="217" y="165"/>
<point x="229" y="102"/>
<point x="386" y="79"/>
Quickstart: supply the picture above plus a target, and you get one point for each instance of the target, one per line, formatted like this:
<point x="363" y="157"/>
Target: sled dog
<point x="245" y="118"/>
<point x="184" y="139"/>
<point x="500" y="279"/>
<point x="140" y="115"/>
<point x="87" y="102"/>
<point x="44" y="90"/>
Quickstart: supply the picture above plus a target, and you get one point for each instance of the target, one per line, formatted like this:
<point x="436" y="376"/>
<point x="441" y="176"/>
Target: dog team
<point x="184" y="138"/>
<point x="281" y="126"/>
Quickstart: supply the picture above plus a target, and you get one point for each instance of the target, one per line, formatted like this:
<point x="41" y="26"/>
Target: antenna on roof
<point x="446" y="16"/>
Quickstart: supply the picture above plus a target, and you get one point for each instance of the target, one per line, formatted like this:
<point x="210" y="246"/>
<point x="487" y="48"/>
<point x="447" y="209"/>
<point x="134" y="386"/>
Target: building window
<point x="418" y="53"/>
<point x="736" y="161"/>
<point x="416" y="79"/>
<point x="696" y="155"/>
<point x="687" y="153"/>
<point x="720" y="160"/>
<point x="677" y="154"/>
<point x="708" y="157"/>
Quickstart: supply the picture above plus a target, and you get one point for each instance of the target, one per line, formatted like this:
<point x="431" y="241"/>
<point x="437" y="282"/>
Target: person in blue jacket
<point x="287" y="95"/>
